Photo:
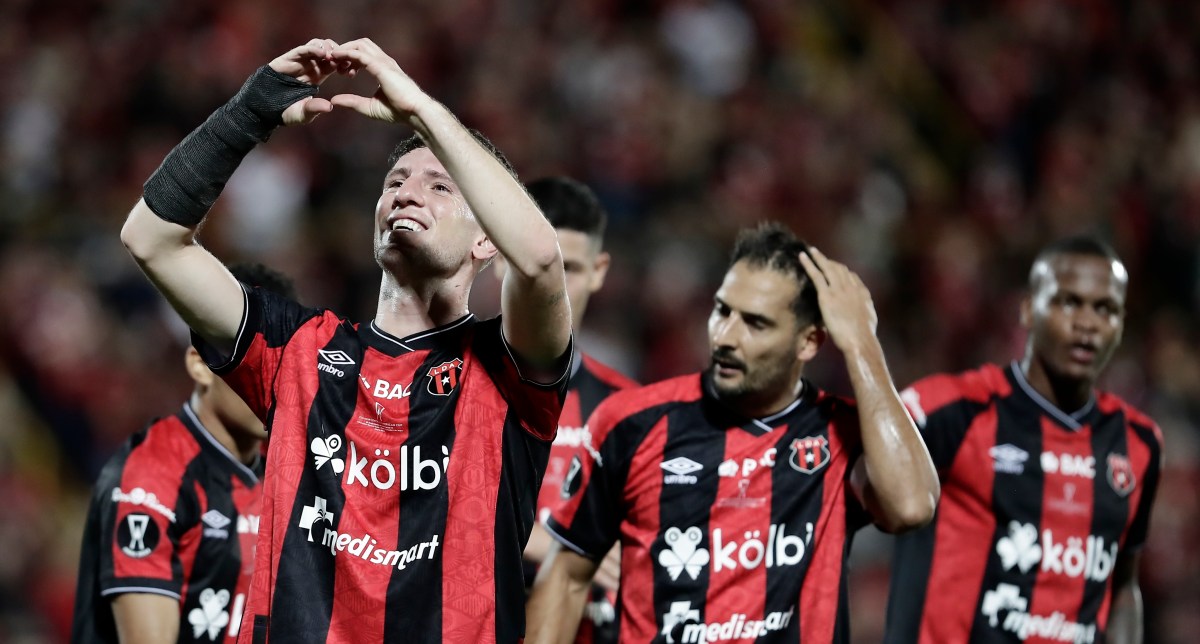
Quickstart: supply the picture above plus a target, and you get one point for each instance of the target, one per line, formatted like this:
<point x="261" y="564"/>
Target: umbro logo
<point x="216" y="524"/>
<point x="330" y="358"/>
<point x="335" y="357"/>
<point x="680" y="469"/>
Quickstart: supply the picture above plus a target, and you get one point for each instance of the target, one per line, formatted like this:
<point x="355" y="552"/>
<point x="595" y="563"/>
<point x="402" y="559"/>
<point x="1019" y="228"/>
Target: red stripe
<point x="248" y="501"/>
<point x="965" y="526"/>
<point x="643" y="488"/>
<point x="156" y="466"/>
<point x="189" y="543"/>
<point x="819" y="597"/>
<point x="469" y="559"/>
<point x="287" y="455"/>
<point x="607" y="374"/>
<point x="742" y="500"/>
<point x="1065" y="459"/>
<point x="370" y="512"/>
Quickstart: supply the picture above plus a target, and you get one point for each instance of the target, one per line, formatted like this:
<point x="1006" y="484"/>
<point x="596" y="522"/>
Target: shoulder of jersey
<point x="607" y="374"/>
<point x="1110" y="403"/>
<point x="161" y="452"/>
<point x="977" y="385"/>
<point x="626" y="402"/>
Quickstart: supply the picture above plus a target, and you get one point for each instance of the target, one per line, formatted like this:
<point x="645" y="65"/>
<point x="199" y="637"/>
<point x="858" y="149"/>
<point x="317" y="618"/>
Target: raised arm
<point x="895" y="478"/>
<point x="160" y="231"/>
<point x="559" y="596"/>
<point x="537" y="315"/>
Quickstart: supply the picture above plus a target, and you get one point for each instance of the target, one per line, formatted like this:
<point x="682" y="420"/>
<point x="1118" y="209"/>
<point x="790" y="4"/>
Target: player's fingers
<point x="360" y="104"/>
<point x="814" y="272"/>
<point x="316" y="106"/>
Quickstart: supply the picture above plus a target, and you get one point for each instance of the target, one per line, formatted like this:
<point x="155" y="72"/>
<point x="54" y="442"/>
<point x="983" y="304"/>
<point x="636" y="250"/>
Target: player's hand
<point x="310" y="63"/>
<point x="398" y="96"/>
<point x="845" y="302"/>
<point x="608" y="575"/>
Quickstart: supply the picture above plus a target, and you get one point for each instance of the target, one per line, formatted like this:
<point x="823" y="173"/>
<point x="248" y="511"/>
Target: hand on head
<point x="845" y="302"/>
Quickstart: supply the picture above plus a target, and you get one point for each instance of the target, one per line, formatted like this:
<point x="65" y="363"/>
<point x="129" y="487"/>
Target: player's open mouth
<point x="407" y="225"/>
<point x="1084" y="352"/>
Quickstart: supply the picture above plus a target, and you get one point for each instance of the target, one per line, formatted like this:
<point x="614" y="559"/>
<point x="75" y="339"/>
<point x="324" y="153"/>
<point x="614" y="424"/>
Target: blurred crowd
<point x="932" y="145"/>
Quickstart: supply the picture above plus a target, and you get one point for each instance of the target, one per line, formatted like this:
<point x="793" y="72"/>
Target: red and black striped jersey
<point x="730" y="528"/>
<point x="591" y="383"/>
<point x="173" y="513"/>
<point x="1037" y="505"/>
<point x="402" y="476"/>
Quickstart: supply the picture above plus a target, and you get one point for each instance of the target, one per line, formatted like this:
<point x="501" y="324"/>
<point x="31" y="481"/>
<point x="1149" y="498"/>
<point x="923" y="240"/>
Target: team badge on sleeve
<point x="137" y="535"/>
<point x="809" y="454"/>
<point x="444" y="377"/>
<point x="1120" y="474"/>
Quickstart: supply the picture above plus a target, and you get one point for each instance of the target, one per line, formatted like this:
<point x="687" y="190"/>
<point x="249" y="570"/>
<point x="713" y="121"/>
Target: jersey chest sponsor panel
<point x="174" y="514"/>
<point x="1036" y="508"/>
<point x="723" y="520"/>
<point x="406" y="478"/>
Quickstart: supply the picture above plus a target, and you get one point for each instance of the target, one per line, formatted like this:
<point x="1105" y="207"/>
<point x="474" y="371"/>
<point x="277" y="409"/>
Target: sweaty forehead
<point x="759" y="290"/>
<point x="417" y="161"/>
<point x="1085" y="274"/>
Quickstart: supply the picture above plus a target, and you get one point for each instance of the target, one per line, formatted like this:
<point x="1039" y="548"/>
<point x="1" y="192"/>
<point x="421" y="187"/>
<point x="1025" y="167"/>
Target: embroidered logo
<point x="809" y="454"/>
<point x="444" y="377"/>
<point x="1120" y="474"/>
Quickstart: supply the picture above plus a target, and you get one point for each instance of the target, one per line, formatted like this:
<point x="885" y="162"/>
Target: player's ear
<point x="483" y="249"/>
<point x="1026" y="312"/>
<point x="809" y="341"/>
<point x="599" y="271"/>
<point x="197" y="369"/>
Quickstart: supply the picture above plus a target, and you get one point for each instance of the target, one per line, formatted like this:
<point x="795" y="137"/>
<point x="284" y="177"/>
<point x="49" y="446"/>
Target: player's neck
<point x="407" y="308"/>
<point x="1067" y="396"/>
<point x="244" y="447"/>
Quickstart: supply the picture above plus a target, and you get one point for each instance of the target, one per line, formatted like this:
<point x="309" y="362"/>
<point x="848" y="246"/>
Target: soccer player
<point x="734" y="492"/>
<point x="1047" y="482"/>
<point x="169" y="543"/>
<point x="579" y="219"/>
<point x="405" y="451"/>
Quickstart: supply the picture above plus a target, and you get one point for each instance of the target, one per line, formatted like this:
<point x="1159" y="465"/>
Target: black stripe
<point x="684" y="513"/>
<point x="1110" y="513"/>
<point x="524" y="464"/>
<point x="796" y="502"/>
<point x="592" y="391"/>
<point x="912" y="562"/>
<point x="1015" y="497"/>
<point x="414" y="594"/>
<point x="303" y="602"/>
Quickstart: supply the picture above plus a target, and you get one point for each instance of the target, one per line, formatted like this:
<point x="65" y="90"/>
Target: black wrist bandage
<point x="193" y="174"/>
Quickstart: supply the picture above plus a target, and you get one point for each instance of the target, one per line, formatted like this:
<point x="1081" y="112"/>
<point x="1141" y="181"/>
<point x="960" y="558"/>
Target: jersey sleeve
<point x="588" y="517"/>
<point x="146" y="527"/>
<point x="536" y="405"/>
<point x="269" y="321"/>
<point x="943" y="407"/>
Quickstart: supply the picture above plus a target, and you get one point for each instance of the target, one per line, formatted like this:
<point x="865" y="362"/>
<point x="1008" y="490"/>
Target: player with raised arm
<point x="405" y="451"/>
<point x="734" y="492"/>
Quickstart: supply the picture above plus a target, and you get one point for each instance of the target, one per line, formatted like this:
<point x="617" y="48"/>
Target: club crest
<point x="809" y="454"/>
<point x="444" y="377"/>
<point x="1120" y="474"/>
